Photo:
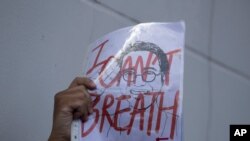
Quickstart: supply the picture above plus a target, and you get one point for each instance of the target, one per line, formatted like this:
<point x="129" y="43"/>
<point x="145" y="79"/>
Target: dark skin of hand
<point x="72" y="103"/>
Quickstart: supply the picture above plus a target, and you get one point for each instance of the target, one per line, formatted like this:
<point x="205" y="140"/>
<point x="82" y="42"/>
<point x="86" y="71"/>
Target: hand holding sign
<point x="72" y="103"/>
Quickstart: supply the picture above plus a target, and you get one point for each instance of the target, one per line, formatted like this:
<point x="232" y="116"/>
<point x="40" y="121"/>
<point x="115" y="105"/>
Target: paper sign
<point x="138" y="72"/>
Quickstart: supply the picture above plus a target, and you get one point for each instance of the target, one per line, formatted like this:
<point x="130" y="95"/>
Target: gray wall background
<point x="43" y="44"/>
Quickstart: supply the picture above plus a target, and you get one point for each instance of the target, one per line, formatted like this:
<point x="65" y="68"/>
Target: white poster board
<point x="139" y="76"/>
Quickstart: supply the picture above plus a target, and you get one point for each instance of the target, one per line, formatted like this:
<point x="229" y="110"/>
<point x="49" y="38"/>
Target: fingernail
<point x="92" y="84"/>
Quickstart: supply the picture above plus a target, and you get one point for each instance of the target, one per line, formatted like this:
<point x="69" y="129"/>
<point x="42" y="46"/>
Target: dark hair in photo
<point x="146" y="46"/>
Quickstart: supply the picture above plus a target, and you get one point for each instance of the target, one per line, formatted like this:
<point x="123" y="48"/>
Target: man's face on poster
<point x="139" y="78"/>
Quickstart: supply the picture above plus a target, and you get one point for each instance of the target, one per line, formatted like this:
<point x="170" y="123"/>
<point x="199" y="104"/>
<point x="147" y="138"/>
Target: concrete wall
<point x="43" y="44"/>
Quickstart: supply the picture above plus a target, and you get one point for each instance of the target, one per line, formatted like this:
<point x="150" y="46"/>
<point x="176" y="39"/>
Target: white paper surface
<point x="139" y="73"/>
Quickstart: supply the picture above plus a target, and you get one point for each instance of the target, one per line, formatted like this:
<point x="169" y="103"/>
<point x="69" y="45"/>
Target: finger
<point x="77" y="93"/>
<point x="88" y="99"/>
<point x="81" y="102"/>
<point x="83" y="81"/>
<point x="85" y="118"/>
<point x="85" y="114"/>
<point x="80" y="112"/>
<point x="90" y="105"/>
<point x="80" y="92"/>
